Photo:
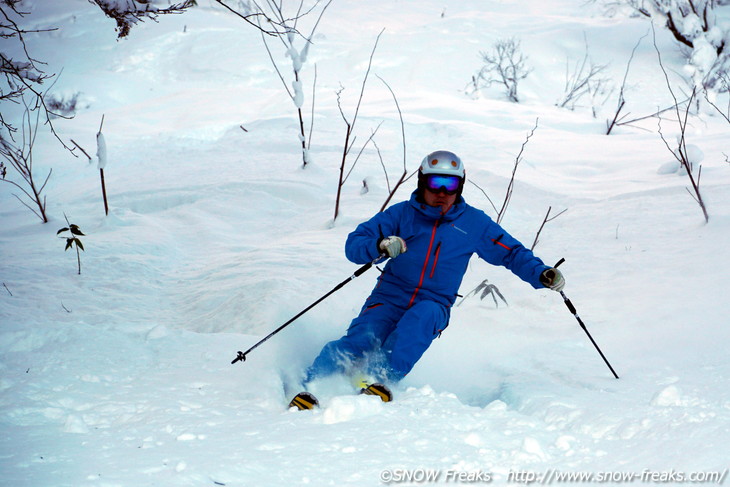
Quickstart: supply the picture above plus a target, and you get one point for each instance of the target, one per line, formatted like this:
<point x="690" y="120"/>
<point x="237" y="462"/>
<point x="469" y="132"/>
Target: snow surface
<point x="121" y="376"/>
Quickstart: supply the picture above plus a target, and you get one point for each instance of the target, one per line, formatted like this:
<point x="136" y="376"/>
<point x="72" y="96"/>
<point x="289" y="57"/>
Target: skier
<point x="429" y="239"/>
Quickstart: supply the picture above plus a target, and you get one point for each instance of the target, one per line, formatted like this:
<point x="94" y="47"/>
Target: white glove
<point x="393" y="246"/>
<point x="553" y="279"/>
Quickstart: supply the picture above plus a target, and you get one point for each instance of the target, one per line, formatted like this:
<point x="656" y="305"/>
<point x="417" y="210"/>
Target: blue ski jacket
<point x="439" y="249"/>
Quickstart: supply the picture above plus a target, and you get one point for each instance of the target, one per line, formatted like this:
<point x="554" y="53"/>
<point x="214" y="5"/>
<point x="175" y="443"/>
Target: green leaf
<point x="79" y="244"/>
<point x="69" y="243"/>
<point x="75" y="230"/>
<point x="62" y="230"/>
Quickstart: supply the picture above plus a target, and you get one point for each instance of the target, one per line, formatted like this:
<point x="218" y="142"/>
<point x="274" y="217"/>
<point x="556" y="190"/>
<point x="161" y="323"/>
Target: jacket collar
<point x="434" y="212"/>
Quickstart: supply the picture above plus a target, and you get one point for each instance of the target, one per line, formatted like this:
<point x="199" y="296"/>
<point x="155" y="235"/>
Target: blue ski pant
<point x="384" y="341"/>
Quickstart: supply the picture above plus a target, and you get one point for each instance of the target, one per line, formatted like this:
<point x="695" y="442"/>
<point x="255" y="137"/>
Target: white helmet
<point x="442" y="162"/>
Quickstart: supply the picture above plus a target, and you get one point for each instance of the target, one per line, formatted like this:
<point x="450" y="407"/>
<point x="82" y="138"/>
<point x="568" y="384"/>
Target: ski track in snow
<point x="121" y="376"/>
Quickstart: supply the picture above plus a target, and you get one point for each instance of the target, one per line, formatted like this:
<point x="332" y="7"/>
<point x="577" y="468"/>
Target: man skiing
<point x="429" y="239"/>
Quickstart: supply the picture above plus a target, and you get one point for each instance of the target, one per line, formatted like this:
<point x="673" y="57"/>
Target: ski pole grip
<point x="362" y="270"/>
<point x="367" y="266"/>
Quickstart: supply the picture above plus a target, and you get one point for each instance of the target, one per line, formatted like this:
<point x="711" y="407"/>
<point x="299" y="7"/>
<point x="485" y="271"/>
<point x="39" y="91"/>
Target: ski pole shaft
<point x="574" y="312"/>
<point x="242" y="355"/>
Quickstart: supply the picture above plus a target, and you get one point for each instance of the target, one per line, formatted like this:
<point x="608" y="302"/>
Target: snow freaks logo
<point x="549" y="477"/>
<point x="425" y="475"/>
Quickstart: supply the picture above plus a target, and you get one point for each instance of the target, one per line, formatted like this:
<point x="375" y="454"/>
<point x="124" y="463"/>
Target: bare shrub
<point x="504" y="65"/>
<point x="20" y="157"/>
<point x="680" y="152"/>
<point x="289" y="37"/>
<point x="584" y="79"/>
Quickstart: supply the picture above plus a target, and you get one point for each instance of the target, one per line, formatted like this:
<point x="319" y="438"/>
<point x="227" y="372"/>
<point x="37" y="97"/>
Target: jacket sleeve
<point x="499" y="248"/>
<point x="361" y="246"/>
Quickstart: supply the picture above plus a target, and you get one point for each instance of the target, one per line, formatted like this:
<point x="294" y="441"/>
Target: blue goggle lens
<point x="438" y="182"/>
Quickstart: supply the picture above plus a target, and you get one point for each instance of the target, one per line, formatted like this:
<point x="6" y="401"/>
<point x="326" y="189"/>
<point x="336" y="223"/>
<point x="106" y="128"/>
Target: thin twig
<point x="510" y="186"/>
<point x="486" y="195"/>
<point x="621" y="98"/>
<point x="382" y="164"/>
<point x="351" y="127"/>
<point x="682" y="149"/>
<point x="257" y="16"/>
<point x="365" y="80"/>
<point x="544" y="221"/>
<point x="726" y="85"/>
<point x="311" y="117"/>
<point x="357" y="158"/>
<point x="402" y="178"/>
<point x="621" y="121"/>
<point x="81" y="149"/>
<point x="276" y="66"/>
<point x="21" y="159"/>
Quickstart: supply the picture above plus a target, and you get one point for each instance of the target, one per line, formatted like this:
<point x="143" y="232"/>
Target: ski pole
<point x="572" y="309"/>
<point x="242" y="355"/>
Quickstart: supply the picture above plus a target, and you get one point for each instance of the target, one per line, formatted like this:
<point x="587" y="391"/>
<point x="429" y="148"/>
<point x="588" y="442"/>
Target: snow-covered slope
<point x="122" y="375"/>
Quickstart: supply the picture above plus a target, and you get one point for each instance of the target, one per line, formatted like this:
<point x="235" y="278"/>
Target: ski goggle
<point x="439" y="182"/>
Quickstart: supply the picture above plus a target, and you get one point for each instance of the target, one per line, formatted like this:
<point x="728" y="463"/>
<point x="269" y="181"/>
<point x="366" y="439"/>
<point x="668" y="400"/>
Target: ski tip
<point x="304" y="400"/>
<point x="361" y="381"/>
<point x="380" y="390"/>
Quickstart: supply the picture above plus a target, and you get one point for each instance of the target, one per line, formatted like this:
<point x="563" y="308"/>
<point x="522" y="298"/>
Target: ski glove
<point x="553" y="279"/>
<point x="393" y="245"/>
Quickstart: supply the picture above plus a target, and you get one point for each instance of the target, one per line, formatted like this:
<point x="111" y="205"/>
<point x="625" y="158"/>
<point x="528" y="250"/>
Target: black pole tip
<point x="241" y="356"/>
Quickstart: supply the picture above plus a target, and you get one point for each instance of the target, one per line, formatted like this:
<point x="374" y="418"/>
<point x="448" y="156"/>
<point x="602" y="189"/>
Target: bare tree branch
<point x="362" y="149"/>
<point x="24" y="78"/>
<point x="544" y="221"/>
<point x="697" y="25"/>
<point x="725" y="80"/>
<point x="127" y="14"/>
<point x="20" y="157"/>
<point x="486" y="195"/>
<point x="402" y="178"/>
<point x="287" y="34"/>
<point x="510" y="186"/>
<point x="351" y="126"/>
<point x="582" y="80"/>
<point x="622" y="91"/>
<point x="681" y="153"/>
